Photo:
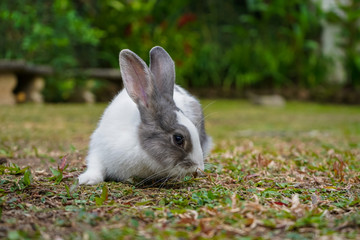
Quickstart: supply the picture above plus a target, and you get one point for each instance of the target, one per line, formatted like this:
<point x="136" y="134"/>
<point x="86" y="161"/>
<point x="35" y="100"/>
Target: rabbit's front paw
<point x="91" y="178"/>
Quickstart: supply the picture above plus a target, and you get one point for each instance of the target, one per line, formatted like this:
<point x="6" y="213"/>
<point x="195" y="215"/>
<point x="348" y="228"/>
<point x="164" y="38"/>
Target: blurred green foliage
<point x="215" y="44"/>
<point x="349" y="23"/>
<point x="47" y="32"/>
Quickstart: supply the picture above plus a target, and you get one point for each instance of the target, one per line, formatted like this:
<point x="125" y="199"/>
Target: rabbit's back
<point x="124" y="114"/>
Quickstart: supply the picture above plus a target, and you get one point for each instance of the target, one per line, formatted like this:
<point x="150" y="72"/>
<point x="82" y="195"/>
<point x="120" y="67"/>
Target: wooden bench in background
<point x="23" y="82"/>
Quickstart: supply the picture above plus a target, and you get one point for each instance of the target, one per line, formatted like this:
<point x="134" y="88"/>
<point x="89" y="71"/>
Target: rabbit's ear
<point x="136" y="77"/>
<point x="163" y="70"/>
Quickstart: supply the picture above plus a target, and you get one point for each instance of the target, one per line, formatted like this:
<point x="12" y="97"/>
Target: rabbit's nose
<point x="199" y="173"/>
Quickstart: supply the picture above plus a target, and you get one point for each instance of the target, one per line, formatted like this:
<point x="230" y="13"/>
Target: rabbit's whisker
<point x="153" y="176"/>
<point x="203" y="119"/>
<point x="208" y="105"/>
<point x="164" y="182"/>
<point x="157" y="181"/>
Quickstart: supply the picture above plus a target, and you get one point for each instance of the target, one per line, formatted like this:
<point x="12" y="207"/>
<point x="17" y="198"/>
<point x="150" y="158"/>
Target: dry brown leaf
<point x="232" y="230"/>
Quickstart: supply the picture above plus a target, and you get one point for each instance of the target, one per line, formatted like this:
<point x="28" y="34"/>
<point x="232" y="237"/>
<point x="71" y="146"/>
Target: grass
<point x="274" y="173"/>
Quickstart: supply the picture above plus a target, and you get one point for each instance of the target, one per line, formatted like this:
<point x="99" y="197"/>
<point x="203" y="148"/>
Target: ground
<point x="274" y="173"/>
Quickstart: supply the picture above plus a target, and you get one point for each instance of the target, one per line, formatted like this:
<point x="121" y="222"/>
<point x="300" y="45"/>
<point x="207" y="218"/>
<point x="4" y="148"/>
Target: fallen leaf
<point x="281" y="204"/>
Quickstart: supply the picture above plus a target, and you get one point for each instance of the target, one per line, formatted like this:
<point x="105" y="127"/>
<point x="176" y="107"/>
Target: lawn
<point x="274" y="173"/>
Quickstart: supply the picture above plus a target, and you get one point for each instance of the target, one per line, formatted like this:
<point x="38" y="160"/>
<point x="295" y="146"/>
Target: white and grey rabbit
<point x="153" y="128"/>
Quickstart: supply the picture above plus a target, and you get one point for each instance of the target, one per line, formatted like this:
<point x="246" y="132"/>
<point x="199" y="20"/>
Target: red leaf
<point x="185" y="19"/>
<point x="281" y="204"/>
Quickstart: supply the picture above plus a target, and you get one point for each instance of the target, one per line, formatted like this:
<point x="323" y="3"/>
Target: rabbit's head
<point x="168" y="137"/>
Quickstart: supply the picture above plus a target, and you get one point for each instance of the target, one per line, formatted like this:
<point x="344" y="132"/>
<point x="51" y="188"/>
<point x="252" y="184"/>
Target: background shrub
<point x="223" y="45"/>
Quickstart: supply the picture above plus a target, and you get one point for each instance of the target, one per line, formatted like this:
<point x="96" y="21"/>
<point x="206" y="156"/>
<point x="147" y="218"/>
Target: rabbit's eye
<point x="179" y="140"/>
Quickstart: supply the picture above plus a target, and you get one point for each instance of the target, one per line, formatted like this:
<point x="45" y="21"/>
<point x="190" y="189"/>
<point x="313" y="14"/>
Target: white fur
<point x="185" y="101"/>
<point x="114" y="146"/>
<point x="196" y="155"/>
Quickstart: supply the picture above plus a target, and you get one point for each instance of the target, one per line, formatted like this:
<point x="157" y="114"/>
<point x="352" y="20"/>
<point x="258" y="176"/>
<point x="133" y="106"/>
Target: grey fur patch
<point x="195" y="113"/>
<point x="156" y="134"/>
<point x="163" y="70"/>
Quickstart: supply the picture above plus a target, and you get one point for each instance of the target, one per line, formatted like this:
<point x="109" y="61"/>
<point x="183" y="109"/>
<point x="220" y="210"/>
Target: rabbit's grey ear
<point x="136" y="77"/>
<point x="163" y="70"/>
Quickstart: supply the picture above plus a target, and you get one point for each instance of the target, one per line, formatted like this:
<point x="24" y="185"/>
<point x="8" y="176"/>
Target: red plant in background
<point x="163" y="25"/>
<point x="149" y="19"/>
<point x="185" y="19"/>
<point x="187" y="49"/>
<point x="179" y="63"/>
<point x="128" y="30"/>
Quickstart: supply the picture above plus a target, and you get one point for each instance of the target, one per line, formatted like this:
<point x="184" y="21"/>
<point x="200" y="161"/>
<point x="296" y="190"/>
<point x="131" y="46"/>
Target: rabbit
<point x="151" y="128"/>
